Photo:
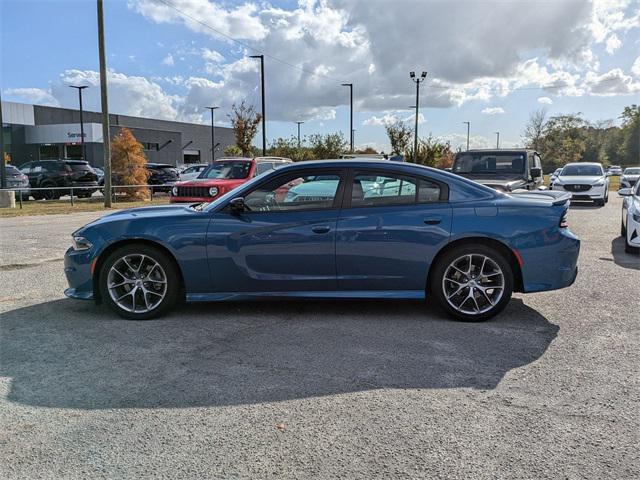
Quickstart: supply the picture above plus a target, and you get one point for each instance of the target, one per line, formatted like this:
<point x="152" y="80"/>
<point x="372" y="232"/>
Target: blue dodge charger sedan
<point x="331" y="229"/>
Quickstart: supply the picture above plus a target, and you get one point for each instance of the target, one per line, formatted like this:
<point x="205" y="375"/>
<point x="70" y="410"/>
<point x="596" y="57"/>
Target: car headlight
<point x="81" y="243"/>
<point x="213" y="191"/>
<point x="174" y="191"/>
<point x="599" y="183"/>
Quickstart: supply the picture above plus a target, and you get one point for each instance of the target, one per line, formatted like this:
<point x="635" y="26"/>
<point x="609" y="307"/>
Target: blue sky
<point x="490" y="63"/>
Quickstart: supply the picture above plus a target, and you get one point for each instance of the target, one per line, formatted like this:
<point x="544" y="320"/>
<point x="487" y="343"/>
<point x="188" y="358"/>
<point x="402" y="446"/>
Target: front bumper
<point x="77" y="268"/>
<point x="593" y="193"/>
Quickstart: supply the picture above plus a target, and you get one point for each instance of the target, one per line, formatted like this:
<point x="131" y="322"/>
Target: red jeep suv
<point x="221" y="176"/>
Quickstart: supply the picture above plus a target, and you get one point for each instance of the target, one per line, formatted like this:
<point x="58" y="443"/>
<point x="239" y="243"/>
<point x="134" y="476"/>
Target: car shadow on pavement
<point x="72" y="354"/>
<point x="621" y="258"/>
<point x="584" y="205"/>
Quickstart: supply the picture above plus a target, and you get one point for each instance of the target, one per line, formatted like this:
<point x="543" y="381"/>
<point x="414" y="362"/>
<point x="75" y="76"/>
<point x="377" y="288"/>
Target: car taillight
<point x="564" y="222"/>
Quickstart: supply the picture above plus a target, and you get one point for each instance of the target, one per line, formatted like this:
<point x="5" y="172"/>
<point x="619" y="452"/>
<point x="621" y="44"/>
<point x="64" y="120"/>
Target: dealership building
<point x="36" y="132"/>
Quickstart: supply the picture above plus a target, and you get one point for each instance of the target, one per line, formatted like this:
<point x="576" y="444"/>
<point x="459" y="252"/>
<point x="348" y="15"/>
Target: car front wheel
<point x="472" y="283"/>
<point x="139" y="282"/>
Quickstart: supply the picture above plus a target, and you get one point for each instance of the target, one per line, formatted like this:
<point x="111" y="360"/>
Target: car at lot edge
<point x="585" y="181"/>
<point x="17" y="181"/>
<point x="504" y="170"/>
<point x="554" y="175"/>
<point x="191" y="172"/>
<point x="629" y="177"/>
<point x="371" y="229"/>
<point x="614" y="170"/>
<point x="630" y="223"/>
<point x="223" y="175"/>
<point x="162" y="177"/>
<point x="60" y="173"/>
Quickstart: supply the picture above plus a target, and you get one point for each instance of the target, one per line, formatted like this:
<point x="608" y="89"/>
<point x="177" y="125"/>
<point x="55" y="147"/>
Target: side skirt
<point x="369" y="294"/>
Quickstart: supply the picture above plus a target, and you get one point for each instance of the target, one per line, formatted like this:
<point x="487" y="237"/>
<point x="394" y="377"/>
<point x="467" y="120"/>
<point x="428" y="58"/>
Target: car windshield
<point x="489" y="163"/>
<point x="632" y="171"/>
<point x="581" y="170"/>
<point x="228" y="170"/>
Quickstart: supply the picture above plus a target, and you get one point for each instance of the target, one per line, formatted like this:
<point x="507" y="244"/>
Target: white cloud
<point x="168" y="60"/>
<point x="211" y="55"/>
<point x="493" y="111"/>
<point x="613" y="82"/>
<point x="545" y="101"/>
<point x="613" y="44"/>
<point x="33" y="95"/>
<point x="635" y="68"/>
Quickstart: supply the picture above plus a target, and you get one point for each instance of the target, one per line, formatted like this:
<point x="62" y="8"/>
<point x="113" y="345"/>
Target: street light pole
<point x="213" y="135"/>
<point x="497" y="140"/>
<point x="3" y="168"/>
<point x="468" y="128"/>
<point x="80" y="88"/>
<point x="104" y="101"/>
<point x="417" y="81"/>
<point x="264" y="116"/>
<point x="299" y="123"/>
<point x="350" y="85"/>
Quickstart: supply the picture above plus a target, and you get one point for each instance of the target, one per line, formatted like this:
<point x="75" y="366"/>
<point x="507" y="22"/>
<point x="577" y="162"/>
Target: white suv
<point x="585" y="181"/>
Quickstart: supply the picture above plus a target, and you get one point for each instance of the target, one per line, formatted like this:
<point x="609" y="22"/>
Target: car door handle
<point x="320" y="229"/>
<point x="432" y="220"/>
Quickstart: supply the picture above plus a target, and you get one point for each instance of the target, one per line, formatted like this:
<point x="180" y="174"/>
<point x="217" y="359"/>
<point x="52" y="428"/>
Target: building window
<point x="151" y="146"/>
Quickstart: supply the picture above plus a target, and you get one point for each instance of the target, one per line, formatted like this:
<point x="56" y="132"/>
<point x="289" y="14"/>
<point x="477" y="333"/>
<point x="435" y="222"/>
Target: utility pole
<point x="417" y="81"/>
<point x="497" y="140"/>
<point x="213" y="135"/>
<point x="299" y="123"/>
<point x="468" y="128"/>
<point x="350" y="85"/>
<point x="3" y="169"/>
<point x="264" y="116"/>
<point x="104" y="100"/>
<point x="80" y="88"/>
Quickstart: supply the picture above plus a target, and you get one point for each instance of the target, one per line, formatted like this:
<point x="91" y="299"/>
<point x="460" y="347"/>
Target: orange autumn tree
<point x="128" y="165"/>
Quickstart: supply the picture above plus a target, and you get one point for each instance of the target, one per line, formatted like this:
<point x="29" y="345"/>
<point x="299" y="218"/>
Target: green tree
<point x="328" y="146"/>
<point x="233" y="151"/>
<point x="400" y="135"/>
<point x="244" y="121"/>
<point x="564" y="140"/>
<point x="534" y="130"/>
<point x="432" y="153"/>
<point x="630" y="136"/>
<point x="288" y="147"/>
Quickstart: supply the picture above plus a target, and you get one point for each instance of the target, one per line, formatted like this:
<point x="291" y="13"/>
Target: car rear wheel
<point x="472" y="283"/>
<point x="623" y="230"/>
<point x="139" y="282"/>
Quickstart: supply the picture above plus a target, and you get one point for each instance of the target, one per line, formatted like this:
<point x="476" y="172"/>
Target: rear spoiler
<point x="559" y="198"/>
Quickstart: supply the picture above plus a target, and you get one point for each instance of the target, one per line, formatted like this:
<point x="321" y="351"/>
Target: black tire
<point x="623" y="230"/>
<point x="437" y="288"/>
<point x="599" y="202"/>
<point x="49" y="194"/>
<point x="606" y="198"/>
<point x="172" y="277"/>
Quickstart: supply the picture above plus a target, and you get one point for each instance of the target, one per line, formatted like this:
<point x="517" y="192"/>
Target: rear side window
<point x="263" y="167"/>
<point x="79" y="167"/>
<point x="372" y="190"/>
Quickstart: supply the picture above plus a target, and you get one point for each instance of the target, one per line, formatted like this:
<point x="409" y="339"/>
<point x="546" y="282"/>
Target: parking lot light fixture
<point x="213" y="134"/>
<point x="350" y="85"/>
<point x="299" y="123"/>
<point x="264" y="115"/>
<point x="417" y="81"/>
<point x="468" y="129"/>
<point x="80" y="88"/>
<point x="497" y="140"/>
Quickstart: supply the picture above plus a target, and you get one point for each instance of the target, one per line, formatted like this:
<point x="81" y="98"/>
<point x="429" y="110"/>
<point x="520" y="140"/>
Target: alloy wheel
<point x="473" y="284"/>
<point x="137" y="283"/>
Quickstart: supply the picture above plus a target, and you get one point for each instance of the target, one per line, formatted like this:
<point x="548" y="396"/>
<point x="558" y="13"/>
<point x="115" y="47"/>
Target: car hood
<point x="506" y="183"/>
<point x="211" y="182"/>
<point x="581" y="179"/>
<point x="163" y="211"/>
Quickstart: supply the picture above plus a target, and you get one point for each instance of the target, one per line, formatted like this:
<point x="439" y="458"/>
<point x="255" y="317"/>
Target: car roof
<point x="271" y="159"/>
<point x="584" y="163"/>
<point x="498" y="150"/>
<point x="233" y="159"/>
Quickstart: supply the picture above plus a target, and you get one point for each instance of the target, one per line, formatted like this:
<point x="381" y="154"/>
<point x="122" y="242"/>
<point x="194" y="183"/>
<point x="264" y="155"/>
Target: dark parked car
<point x="331" y="229"/>
<point x="504" y="170"/>
<point x="162" y="174"/>
<point x="60" y="173"/>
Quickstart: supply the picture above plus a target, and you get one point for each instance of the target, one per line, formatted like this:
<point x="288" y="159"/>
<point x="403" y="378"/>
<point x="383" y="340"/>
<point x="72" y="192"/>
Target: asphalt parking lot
<point x="353" y="389"/>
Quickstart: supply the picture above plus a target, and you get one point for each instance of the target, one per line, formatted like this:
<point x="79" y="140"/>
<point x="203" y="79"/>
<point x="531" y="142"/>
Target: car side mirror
<point x="624" y="192"/>
<point x="237" y="205"/>
<point x="536" y="172"/>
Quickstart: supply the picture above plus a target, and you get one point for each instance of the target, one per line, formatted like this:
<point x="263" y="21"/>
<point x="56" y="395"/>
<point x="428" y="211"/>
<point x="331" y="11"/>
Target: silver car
<point x="629" y="177"/>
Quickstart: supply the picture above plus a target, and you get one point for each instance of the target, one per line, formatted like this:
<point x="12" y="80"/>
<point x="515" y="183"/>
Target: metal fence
<point x="72" y="192"/>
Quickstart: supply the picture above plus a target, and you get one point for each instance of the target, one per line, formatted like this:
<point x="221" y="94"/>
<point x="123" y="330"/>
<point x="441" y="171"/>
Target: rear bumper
<point x="553" y="265"/>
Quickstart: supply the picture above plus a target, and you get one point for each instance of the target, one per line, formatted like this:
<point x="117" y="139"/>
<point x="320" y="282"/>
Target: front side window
<point x="294" y="192"/>
<point x="370" y="190"/>
<point x="228" y="170"/>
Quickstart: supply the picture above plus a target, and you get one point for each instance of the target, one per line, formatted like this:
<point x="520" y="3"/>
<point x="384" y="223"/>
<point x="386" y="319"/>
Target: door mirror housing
<point x="536" y="172"/>
<point x="624" y="192"/>
<point x="237" y="205"/>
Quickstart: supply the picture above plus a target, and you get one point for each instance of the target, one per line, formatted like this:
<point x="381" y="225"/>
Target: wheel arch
<point x="508" y="253"/>
<point x="112" y="247"/>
